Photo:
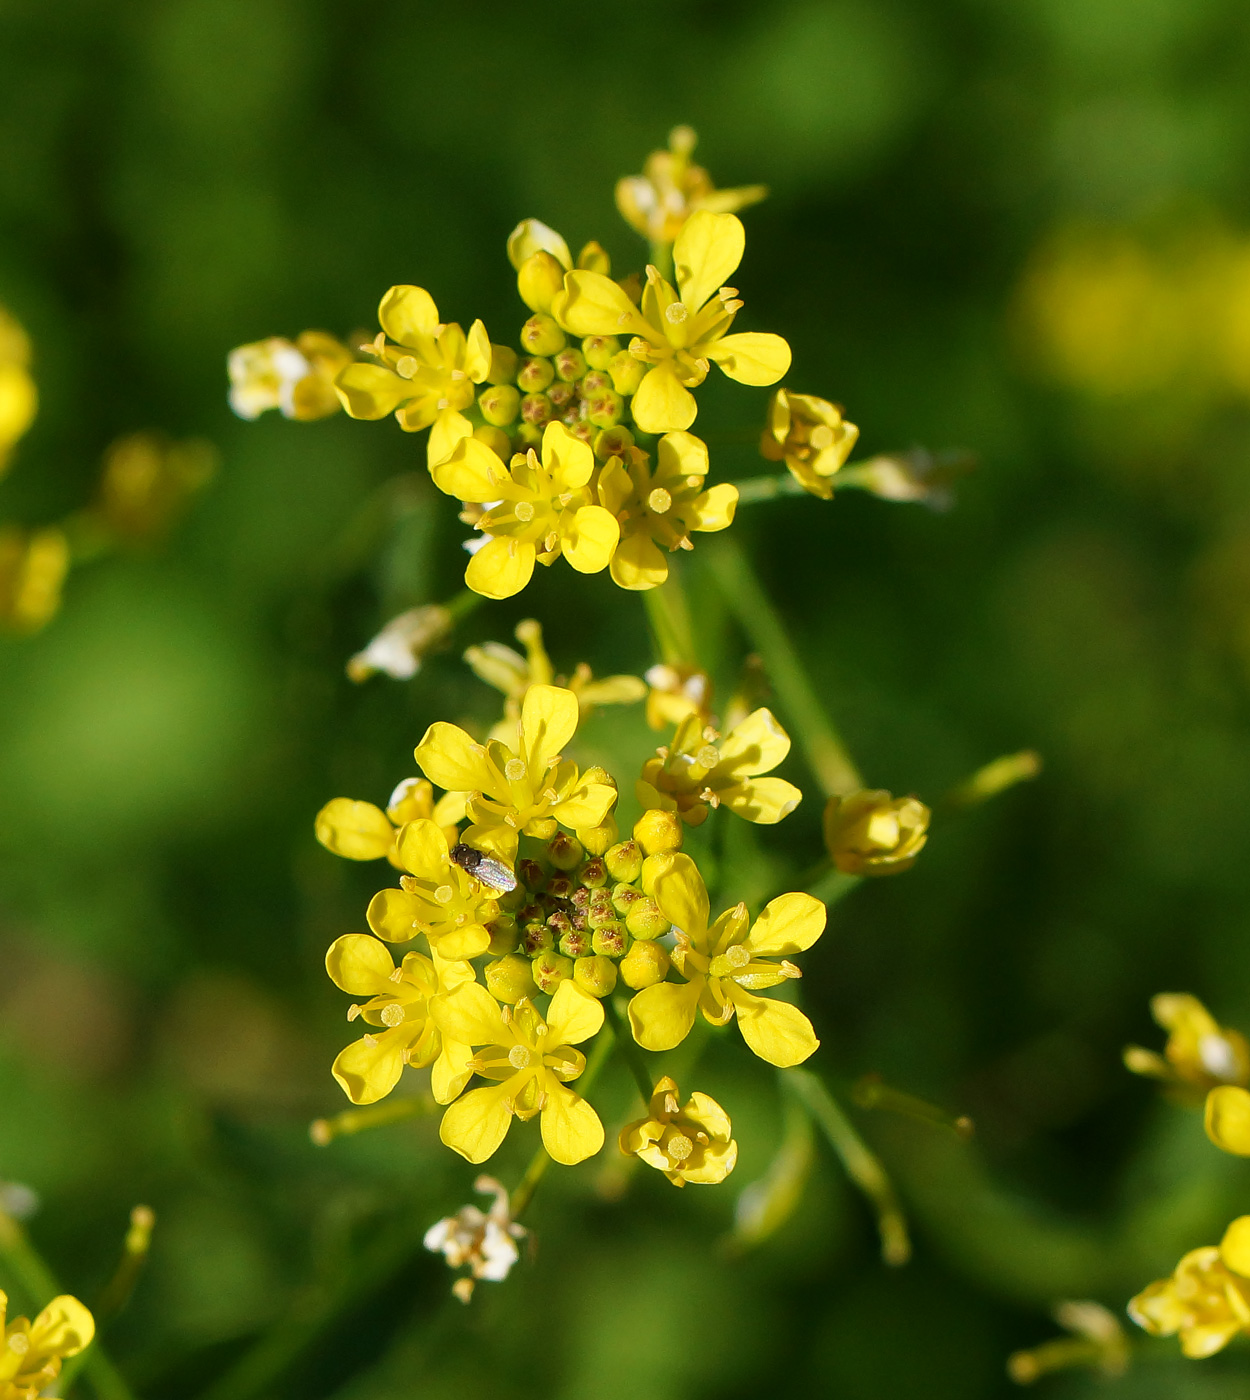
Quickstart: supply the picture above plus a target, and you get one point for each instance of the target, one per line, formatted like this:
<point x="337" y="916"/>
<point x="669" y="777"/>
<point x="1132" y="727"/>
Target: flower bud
<point x="536" y="409"/>
<point x="597" y="839"/>
<point x="610" y="940"/>
<point x="606" y="409"/>
<point x="564" y="852"/>
<point x="500" y="404"/>
<point x="624" y="897"/>
<point x="562" y="395"/>
<point x="624" y="861"/>
<point x="560" y="886"/>
<point x="644" y="965"/>
<point x="540" y="335"/>
<point x="509" y="979"/>
<point x="595" y="974"/>
<point x="526" y="435"/>
<point x="580" y="429"/>
<point x="872" y="833"/>
<point x="599" y="350"/>
<point x="657" y="831"/>
<point x="496" y="439"/>
<point x="538" y="280"/>
<point x="534" y="374"/>
<point x="594" y="258"/>
<point x="531" y="874"/>
<point x="593" y="873"/>
<point x="504" y="936"/>
<point x="613" y="442"/>
<point x="627" y="373"/>
<point x="503" y="363"/>
<point x="550" y="969"/>
<point x="644" y="919"/>
<point x="576" y="943"/>
<point x="593" y="383"/>
<point x="570" y="364"/>
<point x="601" y="911"/>
<point x="537" y="937"/>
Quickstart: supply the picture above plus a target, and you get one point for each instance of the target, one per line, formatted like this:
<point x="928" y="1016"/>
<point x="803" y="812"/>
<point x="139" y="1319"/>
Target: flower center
<point x="393" y="1014"/>
<point x="519" y="1057"/>
<point x="708" y="756"/>
<point x="444" y="894"/>
<point x="679" y="1147"/>
<point x="660" y="501"/>
<point x="676" y="313"/>
<point x="514" y="770"/>
<point x="822" y="437"/>
<point x="738" y="955"/>
<point x="524" y="511"/>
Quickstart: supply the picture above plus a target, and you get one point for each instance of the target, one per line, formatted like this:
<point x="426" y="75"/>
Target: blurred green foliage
<point x="178" y="178"/>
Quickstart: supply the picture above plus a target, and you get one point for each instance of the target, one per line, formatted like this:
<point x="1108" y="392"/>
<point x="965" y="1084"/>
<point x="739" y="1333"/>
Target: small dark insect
<point x="485" y="868"/>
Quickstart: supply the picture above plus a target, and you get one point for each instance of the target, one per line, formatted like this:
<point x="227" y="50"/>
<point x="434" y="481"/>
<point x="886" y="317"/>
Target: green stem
<point x="629" y="1051"/>
<point x="34" y="1277"/>
<point x="669" y="616"/>
<point x="767" y="488"/>
<point x="463" y="604"/>
<point x="662" y="259"/>
<point x="323" y="1131"/>
<point x="741" y="587"/>
<point x="862" y="1165"/>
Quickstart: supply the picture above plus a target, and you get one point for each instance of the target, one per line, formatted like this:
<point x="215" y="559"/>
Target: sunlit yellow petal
<point x="532" y="235"/>
<point x="501" y="568"/>
<point x="477" y="1123"/>
<point x="574" y="1015"/>
<point x="371" y="391"/>
<point x="639" y="563"/>
<point x="662" y="403"/>
<point x="1235" y="1246"/>
<point x="775" y="1030"/>
<point x="360" y="965"/>
<point x="1227" y="1119"/>
<point x="764" y="801"/>
<point x="470" y="941"/>
<point x="477" y="353"/>
<point x="570" y="1127"/>
<point x="587" y="806"/>
<point x="449" y="429"/>
<point x="356" y="830"/>
<point x="714" y="509"/>
<point x="451" y="1071"/>
<point x="394" y="915"/>
<point x="681" y="455"/>
<point x="675" y="884"/>
<point x="592" y="304"/>
<point x="469" y="1015"/>
<point x="663" y="1016"/>
<point x="567" y="458"/>
<point x="706" y="254"/>
<point x="423" y="849"/>
<point x="368" y="1072"/>
<point x="789" y="924"/>
<point x="589" y="539"/>
<point x="408" y="315"/>
<point x="756" y="745"/>
<point x="471" y="472"/>
<point x="751" y="357"/>
<point x="63" y="1328"/>
<point x="451" y="759"/>
<point x="549" y="716"/>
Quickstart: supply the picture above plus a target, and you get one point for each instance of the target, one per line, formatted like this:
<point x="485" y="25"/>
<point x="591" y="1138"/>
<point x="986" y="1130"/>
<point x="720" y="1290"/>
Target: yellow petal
<point x="1235" y="1246"/>
<point x="706" y="254"/>
<point x="574" y="1015"/>
<point x="452" y="760"/>
<point x="501" y="568"/>
<point x="707" y="1114"/>
<point x="471" y="941"/>
<point x="589" y="539"/>
<point x="469" y="1015"/>
<point x="789" y="924"/>
<point x="356" y="830"/>
<point x="470" y="472"/>
<point x="612" y="690"/>
<point x="751" y="357"/>
<point x="423" y="850"/>
<point x="360" y="965"/>
<point x="371" y="391"/>
<point x="639" y="563"/>
<point x="477" y="353"/>
<point x="566" y="457"/>
<point x="764" y="801"/>
<point x="394" y="915"/>
<point x="675" y="884"/>
<point x="663" y="1016"/>
<point x="531" y="236"/>
<point x="615" y="485"/>
<point x="498" y="840"/>
<point x="367" y="1072"/>
<point x="719" y="1159"/>
<point x="408" y="315"/>
<point x="540" y="279"/>
<point x="681" y="454"/>
<point x="756" y="745"/>
<point x="714" y="509"/>
<point x="63" y="1328"/>
<point x="549" y="716"/>
<point x="586" y="806"/>
<point x="775" y="1030"/>
<point x="449" y="429"/>
<point x="1227" y="1119"/>
<point x="451" y="1071"/>
<point x="477" y="1123"/>
<point x="571" y="1128"/>
<point x="662" y="403"/>
<point x="592" y="304"/>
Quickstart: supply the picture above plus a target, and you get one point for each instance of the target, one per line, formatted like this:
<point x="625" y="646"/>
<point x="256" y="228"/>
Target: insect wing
<point x="485" y="868"/>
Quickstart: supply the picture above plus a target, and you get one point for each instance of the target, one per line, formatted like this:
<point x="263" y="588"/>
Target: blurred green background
<point x="1017" y="228"/>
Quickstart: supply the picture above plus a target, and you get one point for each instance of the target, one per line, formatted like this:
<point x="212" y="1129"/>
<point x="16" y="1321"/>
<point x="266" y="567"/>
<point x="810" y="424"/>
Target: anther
<point x="353" y="1011"/>
<point x="393" y="1014"/>
<point x="397" y="975"/>
<point x="370" y="1040"/>
<point x="670" y="1104"/>
<point x="514" y="770"/>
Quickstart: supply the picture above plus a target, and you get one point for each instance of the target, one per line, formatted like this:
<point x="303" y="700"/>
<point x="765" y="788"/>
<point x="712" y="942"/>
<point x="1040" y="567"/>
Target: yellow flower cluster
<point x="1206" y="1300"/>
<point x="18" y="397"/>
<point x="32" y="1352"/>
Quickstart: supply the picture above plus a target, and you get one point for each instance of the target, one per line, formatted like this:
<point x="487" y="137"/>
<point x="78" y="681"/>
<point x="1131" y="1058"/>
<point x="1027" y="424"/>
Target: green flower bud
<point x="601" y="911"/>
<point x="503" y="361"/>
<point x="657" y="831"/>
<point x="593" y="384"/>
<point x="570" y="364"/>
<point x="496" y="439"/>
<point x="606" y="409"/>
<point x="596" y="975"/>
<point x="540" y="335"/>
<point x="560" y="886"/>
<point x="564" y="852"/>
<point x="594" y="258"/>
<point x="510" y="978"/>
<point x="562" y="395"/>
<point x="536" y="409"/>
<point x="627" y="373"/>
<point x="534" y="374"/>
<point x="504" y="935"/>
<point x="538" y="280"/>
<point x="610" y="940"/>
<point x="644" y="965"/>
<point x="599" y="350"/>
<point x="550" y="969"/>
<point x="624" y="897"/>
<point x="580" y="429"/>
<point x="500" y="404"/>
<point x="576" y="943"/>
<point x="558" y="924"/>
<point x="597" y="839"/>
<point x="593" y="873"/>
<point x="526" y="435"/>
<point x="537" y="937"/>
<point x="644" y="919"/>
<point x="612" y="442"/>
<point x="624" y="861"/>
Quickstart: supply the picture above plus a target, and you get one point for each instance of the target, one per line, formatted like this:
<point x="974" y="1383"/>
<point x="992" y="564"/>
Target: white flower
<point x="400" y="647"/>
<point x="484" y="1242"/>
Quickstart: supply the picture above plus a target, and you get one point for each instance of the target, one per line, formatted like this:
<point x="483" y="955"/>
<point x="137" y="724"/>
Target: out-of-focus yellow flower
<point x="295" y="377"/>
<point x="19" y="400"/>
<point x="677" y="692"/>
<point x="529" y="788"/>
<point x="1199" y="1051"/>
<point x="1226" y="1117"/>
<point x="538" y="510"/>
<point x="148" y="481"/>
<point x="33" y="565"/>
<point x="426" y="370"/>
<point x="699" y="770"/>
<point x="512" y="674"/>
<point x="693" y="1142"/>
<point x="399" y="1004"/>
<point x="1206" y="1301"/>
<point x="533" y="1060"/>
<point x="402" y="645"/>
<point x="436" y="897"/>
<point x="725" y="965"/>
<point x="671" y="188"/>
<point x="361" y="831"/>
<point x="810" y="436"/>
<point x="677" y="332"/>
<point x="32" y="1353"/>
<point x="1096" y="1340"/>
<point x="661" y="507"/>
<point x="873" y="833"/>
<point x="485" y="1242"/>
<point x="917" y="477"/>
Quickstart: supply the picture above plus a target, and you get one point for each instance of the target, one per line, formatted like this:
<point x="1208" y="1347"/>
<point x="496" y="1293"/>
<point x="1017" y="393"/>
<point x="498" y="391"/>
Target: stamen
<point x="671" y="1105"/>
<point x="789" y="969"/>
<point x="370" y="1040"/>
<point x="397" y="975"/>
<point x="353" y="1012"/>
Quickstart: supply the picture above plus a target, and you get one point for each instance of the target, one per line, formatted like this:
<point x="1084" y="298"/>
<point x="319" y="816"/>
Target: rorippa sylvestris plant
<point x="524" y="935"/>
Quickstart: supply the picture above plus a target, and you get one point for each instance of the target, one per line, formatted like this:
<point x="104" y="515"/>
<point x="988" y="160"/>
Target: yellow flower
<point x="693" y="1143"/>
<point x="541" y="258"/>
<point x="1226" y="1117"/>
<point x="678" y="332"/>
<point x="148" y="481"/>
<point x="872" y="833"/>
<point x="33" y="566"/>
<point x="400" y="647"/>
<point x="19" y="399"/>
<point x="676" y="692"/>
<point x="31" y="1357"/>
<point x="427" y="369"/>
<point x="699" y="770"/>
<point x="513" y="674"/>
<point x="658" y="202"/>
<point x="1199" y="1051"/>
<point x="661" y="508"/>
<point x="529" y="788"/>
<point x="725" y="965"/>
<point x="1206" y="1301"/>
<point x="810" y="436"/>
<point x="436" y="897"/>
<point x="539" y="510"/>
<point x="399" y="1002"/>
<point x="533" y="1061"/>
<point x="295" y="378"/>
<point x="361" y="831"/>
